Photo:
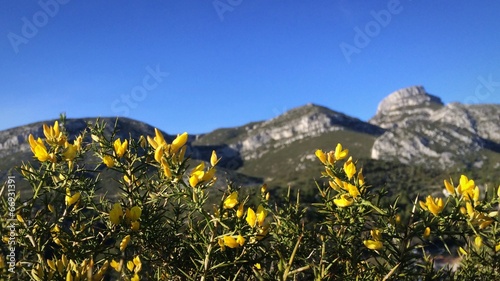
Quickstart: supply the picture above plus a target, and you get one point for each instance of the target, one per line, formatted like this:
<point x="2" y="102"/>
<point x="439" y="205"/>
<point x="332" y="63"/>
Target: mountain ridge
<point x="409" y="127"/>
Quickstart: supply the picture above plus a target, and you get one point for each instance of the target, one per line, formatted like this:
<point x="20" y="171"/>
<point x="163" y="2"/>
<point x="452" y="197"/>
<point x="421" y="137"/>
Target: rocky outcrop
<point x="423" y="130"/>
<point x="405" y="105"/>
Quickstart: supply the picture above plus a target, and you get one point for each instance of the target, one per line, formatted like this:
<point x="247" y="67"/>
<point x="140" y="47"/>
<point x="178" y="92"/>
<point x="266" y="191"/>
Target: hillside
<point x="413" y="135"/>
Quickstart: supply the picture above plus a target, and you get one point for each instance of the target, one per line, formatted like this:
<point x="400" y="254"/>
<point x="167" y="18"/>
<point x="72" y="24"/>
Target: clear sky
<point x="200" y="65"/>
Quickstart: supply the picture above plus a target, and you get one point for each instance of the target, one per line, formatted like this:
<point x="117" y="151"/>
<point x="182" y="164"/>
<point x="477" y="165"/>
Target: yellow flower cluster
<point x="53" y="134"/>
<point x="348" y="190"/>
<point x="134" y="266"/>
<point x="165" y="152"/>
<point x="331" y="157"/>
<point x="70" y="269"/>
<point x="466" y="188"/>
<point x="255" y="219"/>
<point x="231" y="241"/>
<point x="478" y="218"/>
<point x="54" y="137"/>
<point x="132" y="216"/>
<point x="198" y="175"/>
<point x="433" y="205"/>
<point x="469" y="192"/>
<point x="120" y="147"/>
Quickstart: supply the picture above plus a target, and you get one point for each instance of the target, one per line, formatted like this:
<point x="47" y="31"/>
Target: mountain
<point x="422" y="130"/>
<point x="414" y="140"/>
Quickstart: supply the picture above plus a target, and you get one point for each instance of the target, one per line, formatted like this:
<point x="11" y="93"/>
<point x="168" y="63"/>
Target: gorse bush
<point x="161" y="225"/>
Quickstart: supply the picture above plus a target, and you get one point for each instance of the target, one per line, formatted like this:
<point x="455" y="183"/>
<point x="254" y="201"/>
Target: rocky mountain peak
<point x="405" y="105"/>
<point x="407" y="97"/>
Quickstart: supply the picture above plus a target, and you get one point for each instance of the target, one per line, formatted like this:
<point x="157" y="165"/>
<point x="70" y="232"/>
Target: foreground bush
<point x="162" y="225"/>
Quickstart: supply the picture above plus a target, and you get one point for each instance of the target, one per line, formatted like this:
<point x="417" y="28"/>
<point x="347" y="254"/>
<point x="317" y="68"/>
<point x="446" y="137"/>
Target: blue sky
<point x="200" y="65"/>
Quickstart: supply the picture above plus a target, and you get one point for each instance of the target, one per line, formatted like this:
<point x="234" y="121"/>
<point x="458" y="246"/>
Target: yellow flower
<point x="120" y="148"/>
<point x="462" y="251"/>
<point x="51" y="264"/>
<point x="178" y="142"/>
<point x="116" y="265"/>
<point x="135" y="213"/>
<point x="251" y="218"/>
<point x="373" y="245"/>
<point x="213" y="159"/>
<point x="335" y="184"/>
<point x="101" y="271"/>
<point x="240" y="240"/>
<point x="478" y="241"/>
<point x="427" y="232"/>
<point x="466" y="188"/>
<point x="349" y="168"/>
<point x="239" y="212"/>
<point x="159" y="154"/>
<point x="340" y="153"/>
<point x="115" y="214"/>
<point x="435" y="206"/>
<point x="71" y="199"/>
<point x="497" y="247"/>
<point x="108" y="161"/>
<point x="124" y="243"/>
<point x="345" y="200"/>
<point x="321" y="156"/>
<point x="53" y="135"/>
<point x="209" y="175"/>
<point x="257" y="266"/>
<point x="476" y="217"/>
<point x="70" y="153"/>
<point x="130" y="265"/>
<point x="261" y="215"/>
<point x="353" y="190"/>
<point x="231" y="200"/>
<point x="193" y="181"/>
<point x="475" y="194"/>
<point x="449" y="187"/>
<point x="361" y="178"/>
<point x="158" y="140"/>
<point x="138" y="264"/>
<point x="199" y="175"/>
<point x="230" y="242"/>
<point x="39" y="150"/>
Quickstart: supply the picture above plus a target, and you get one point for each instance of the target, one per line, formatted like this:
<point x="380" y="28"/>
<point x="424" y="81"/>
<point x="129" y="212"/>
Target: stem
<point x="289" y="265"/>
<point x="207" y="260"/>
